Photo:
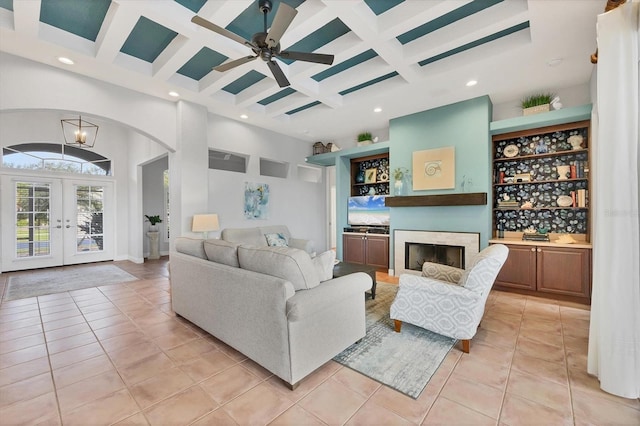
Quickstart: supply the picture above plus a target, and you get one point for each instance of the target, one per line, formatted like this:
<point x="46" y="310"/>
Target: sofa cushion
<point x="324" y="263"/>
<point x="293" y="265"/>
<point x="191" y="246"/>
<point x="221" y="251"/>
<point x="277" y="240"/>
<point x="251" y="236"/>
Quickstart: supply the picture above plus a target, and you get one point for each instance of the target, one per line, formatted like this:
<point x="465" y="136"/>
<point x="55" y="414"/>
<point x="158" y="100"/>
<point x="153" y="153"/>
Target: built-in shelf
<point x="329" y="158"/>
<point x="465" y="199"/>
<point x="551" y="118"/>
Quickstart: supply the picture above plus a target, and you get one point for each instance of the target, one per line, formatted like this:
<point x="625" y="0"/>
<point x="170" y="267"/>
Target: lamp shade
<point x="205" y="223"/>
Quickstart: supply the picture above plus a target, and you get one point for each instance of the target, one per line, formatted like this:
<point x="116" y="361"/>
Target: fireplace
<point x="412" y="248"/>
<point x="415" y="254"/>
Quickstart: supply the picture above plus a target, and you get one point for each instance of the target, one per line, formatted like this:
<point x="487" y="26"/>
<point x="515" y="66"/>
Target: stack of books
<point x="535" y="237"/>
<point x="508" y="204"/>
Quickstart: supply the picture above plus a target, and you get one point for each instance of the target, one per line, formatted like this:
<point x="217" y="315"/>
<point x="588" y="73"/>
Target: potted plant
<point x="399" y="174"/>
<point x="536" y="103"/>
<point x="153" y="220"/>
<point x="364" y="139"/>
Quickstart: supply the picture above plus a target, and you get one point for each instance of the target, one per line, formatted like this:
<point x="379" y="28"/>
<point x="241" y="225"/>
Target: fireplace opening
<point x="418" y="253"/>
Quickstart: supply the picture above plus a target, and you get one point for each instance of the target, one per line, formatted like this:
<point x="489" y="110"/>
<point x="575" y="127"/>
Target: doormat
<point x="58" y="280"/>
<point x="403" y="361"/>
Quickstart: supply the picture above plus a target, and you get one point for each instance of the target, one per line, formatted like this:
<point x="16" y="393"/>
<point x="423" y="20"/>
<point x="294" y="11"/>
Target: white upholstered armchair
<point x="447" y="300"/>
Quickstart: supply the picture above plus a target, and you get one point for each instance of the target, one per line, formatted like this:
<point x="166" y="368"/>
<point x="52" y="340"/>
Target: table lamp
<point x="205" y="223"/>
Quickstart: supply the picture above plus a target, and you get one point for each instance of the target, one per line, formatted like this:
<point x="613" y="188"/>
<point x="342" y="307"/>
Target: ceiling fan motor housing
<point x="265" y="6"/>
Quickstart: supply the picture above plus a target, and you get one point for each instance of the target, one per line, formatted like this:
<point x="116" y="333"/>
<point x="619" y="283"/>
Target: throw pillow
<point x="324" y="263"/>
<point x="191" y="246"/>
<point x="277" y="240"/>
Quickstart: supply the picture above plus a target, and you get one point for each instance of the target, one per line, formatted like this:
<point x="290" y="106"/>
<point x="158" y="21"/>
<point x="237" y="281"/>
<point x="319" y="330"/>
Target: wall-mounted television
<point x="368" y="210"/>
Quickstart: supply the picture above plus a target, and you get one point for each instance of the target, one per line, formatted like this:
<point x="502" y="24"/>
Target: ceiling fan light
<point x="471" y="83"/>
<point x="378" y="109"/>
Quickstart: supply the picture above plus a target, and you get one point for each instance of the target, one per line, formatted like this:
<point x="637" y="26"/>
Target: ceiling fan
<point x="266" y="45"/>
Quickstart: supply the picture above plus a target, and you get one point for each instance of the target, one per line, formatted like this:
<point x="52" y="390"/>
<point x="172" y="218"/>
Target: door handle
<point x="68" y="226"/>
<point x="59" y="226"/>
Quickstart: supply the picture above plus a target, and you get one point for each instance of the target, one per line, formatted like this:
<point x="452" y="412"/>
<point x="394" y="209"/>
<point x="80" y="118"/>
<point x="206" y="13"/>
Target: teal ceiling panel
<point x="381" y="6"/>
<point x="446" y="19"/>
<point x="277" y="96"/>
<point x="319" y="38"/>
<point x="82" y="18"/>
<point x="476" y="43"/>
<point x="251" y="21"/>
<point x="302" y="108"/>
<point x="193" y="5"/>
<point x="369" y="83"/>
<point x="202" y="63"/>
<point x="342" y="66"/>
<point x="147" y="40"/>
<point x="6" y="4"/>
<point x="249" y="79"/>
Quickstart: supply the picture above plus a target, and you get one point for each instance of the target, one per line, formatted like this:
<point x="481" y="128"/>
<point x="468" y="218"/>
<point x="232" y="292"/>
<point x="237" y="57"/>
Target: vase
<point x="398" y="188"/>
<point x="153" y="228"/>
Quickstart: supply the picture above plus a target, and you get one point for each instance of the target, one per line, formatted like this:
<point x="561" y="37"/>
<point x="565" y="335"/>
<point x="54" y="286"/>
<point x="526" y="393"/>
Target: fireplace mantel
<point x="463" y="199"/>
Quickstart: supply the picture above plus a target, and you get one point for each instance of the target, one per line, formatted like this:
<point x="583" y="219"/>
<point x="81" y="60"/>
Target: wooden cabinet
<point x="559" y="272"/>
<point x="367" y="249"/>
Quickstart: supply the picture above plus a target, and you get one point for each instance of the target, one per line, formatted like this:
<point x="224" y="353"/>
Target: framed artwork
<point x="434" y="169"/>
<point x="256" y="201"/>
<point x="370" y="175"/>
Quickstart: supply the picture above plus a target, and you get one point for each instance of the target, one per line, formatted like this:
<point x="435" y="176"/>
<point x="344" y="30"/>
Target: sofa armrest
<point x="441" y="272"/>
<point x="328" y="293"/>
<point x="429" y="286"/>
<point x="302" y="244"/>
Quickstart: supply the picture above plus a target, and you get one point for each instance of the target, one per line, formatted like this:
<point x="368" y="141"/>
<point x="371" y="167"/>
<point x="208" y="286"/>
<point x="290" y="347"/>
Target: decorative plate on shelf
<point x="564" y="201"/>
<point x="511" y="151"/>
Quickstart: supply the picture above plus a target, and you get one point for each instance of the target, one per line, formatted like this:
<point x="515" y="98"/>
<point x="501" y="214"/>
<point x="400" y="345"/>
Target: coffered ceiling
<point x="402" y="56"/>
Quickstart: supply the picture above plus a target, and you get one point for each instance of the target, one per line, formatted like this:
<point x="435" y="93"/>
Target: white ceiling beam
<point x="26" y="17"/>
<point x="116" y="27"/>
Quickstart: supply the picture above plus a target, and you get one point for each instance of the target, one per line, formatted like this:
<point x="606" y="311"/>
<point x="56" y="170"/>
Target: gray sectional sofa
<point x="268" y="302"/>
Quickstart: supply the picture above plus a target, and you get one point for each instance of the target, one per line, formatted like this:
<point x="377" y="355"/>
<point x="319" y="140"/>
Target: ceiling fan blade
<point x="281" y="22"/>
<point x="216" y="29"/>
<point x="278" y="74"/>
<point x="235" y="63"/>
<point x="318" y="58"/>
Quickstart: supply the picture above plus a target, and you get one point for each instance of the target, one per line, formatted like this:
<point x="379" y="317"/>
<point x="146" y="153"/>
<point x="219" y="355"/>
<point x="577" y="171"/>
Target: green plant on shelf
<point x="364" y="136"/>
<point x="155" y="219"/>
<point x="537" y="99"/>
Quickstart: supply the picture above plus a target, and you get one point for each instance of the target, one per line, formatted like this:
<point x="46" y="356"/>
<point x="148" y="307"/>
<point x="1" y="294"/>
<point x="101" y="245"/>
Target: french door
<point x="55" y="221"/>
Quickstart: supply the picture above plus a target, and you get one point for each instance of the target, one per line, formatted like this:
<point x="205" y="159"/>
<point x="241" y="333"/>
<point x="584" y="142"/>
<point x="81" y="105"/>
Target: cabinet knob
<point x="533" y="249"/>
<point x="539" y="250"/>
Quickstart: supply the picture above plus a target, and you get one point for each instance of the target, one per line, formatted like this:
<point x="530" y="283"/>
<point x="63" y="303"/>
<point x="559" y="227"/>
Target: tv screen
<point x="368" y="210"/>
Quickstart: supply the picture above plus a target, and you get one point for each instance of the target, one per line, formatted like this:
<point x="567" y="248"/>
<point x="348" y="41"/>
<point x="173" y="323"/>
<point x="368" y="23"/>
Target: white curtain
<point x="614" y="335"/>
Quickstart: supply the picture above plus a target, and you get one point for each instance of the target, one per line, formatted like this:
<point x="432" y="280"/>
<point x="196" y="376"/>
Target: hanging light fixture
<point x="78" y="132"/>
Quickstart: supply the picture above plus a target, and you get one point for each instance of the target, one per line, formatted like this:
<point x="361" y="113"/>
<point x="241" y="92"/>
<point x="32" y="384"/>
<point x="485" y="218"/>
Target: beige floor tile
<point x="216" y="417"/>
<point x="506" y="324"/>
<point x="106" y="410"/>
<point x="494" y="338"/>
<point x="182" y="408"/>
<point x="482" y="398"/>
<point x="581" y="381"/>
<point x="332" y="402"/>
<point x="61" y="333"/>
<point x="61" y="323"/>
<point x="604" y="411"/>
<point x="296" y="416"/>
<point x="81" y="370"/>
<point x="88" y="390"/>
<point x="108" y="322"/>
<point x="520" y="411"/>
<point x="550" y="394"/>
<point x="161" y="386"/>
<point x="133" y="353"/>
<point x="189" y="351"/>
<point x="547" y="338"/>
<point x="373" y="414"/>
<point x="20" y="332"/>
<point x="40" y="410"/>
<point x="488" y="353"/>
<point x="539" y="350"/>
<point x="306" y="385"/>
<point x="414" y="410"/>
<point x="92" y="316"/>
<point x="356" y="382"/>
<point x="145" y="368"/>
<point x="137" y="419"/>
<point x="22" y="355"/>
<point x="447" y="412"/>
<point x="19" y="314"/>
<point x="55" y="316"/>
<point x="7" y="326"/>
<point x="26" y="389"/>
<point x="162" y="328"/>
<point x="256" y="369"/>
<point x="259" y="405"/>
<point x="487" y="373"/>
<point x="554" y="371"/>
<point x="71" y="342"/>
<point x="122" y="341"/>
<point x="230" y="383"/>
<point x="206" y="365"/>
<point x="72" y="356"/>
<point x="21" y="343"/>
<point x="175" y="338"/>
<point x="69" y="305"/>
<point x="152" y="318"/>
<point x="115" y="330"/>
<point x="24" y="370"/>
<point x="530" y="324"/>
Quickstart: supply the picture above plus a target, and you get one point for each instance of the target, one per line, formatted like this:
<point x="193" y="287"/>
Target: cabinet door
<point x="353" y="248"/>
<point x="377" y="251"/>
<point x="519" y="270"/>
<point x="564" y="271"/>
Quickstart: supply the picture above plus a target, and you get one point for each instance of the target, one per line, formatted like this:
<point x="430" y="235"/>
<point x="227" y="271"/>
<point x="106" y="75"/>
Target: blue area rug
<point x="403" y="361"/>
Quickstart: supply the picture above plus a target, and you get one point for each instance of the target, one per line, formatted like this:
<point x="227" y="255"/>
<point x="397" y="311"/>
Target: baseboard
<point x="135" y="259"/>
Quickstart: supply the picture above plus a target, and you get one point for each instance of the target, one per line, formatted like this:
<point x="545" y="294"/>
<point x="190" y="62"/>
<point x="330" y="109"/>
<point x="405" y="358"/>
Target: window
<point x="220" y="160"/>
<point x="273" y="168"/>
<point x="55" y="157"/>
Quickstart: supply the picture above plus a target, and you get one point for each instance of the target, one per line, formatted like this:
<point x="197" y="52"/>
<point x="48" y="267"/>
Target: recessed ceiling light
<point x="174" y="94"/>
<point x="472" y="83"/>
<point x="244" y="116"/>
<point x="65" y="60"/>
<point x="554" y="62"/>
<point x="378" y="109"/>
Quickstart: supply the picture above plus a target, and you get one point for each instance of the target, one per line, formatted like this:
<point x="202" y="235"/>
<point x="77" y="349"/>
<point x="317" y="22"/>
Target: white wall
<point x="153" y="201"/>
<point x="299" y="205"/>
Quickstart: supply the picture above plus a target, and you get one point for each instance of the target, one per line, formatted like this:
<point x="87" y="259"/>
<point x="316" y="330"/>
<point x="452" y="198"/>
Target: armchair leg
<point x="397" y="325"/>
<point x="466" y="344"/>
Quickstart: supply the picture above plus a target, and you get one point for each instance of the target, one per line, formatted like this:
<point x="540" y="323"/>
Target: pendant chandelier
<point x="78" y="132"/>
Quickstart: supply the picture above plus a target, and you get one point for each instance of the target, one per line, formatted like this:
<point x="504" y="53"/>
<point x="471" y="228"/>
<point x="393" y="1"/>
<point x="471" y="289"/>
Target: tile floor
<point x="118" y="355"/>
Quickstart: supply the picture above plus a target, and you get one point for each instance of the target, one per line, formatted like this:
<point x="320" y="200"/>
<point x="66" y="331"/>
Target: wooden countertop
<point x="519" y="241"/>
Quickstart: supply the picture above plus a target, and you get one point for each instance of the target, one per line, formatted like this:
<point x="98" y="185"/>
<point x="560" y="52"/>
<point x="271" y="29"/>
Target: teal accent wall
<point x="465" y="126"/>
